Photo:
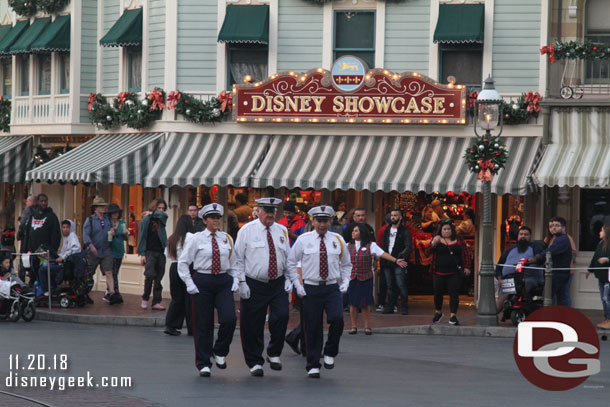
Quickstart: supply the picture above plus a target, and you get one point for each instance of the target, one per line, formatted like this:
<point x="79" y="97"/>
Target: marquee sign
<point x="350" y="93"/>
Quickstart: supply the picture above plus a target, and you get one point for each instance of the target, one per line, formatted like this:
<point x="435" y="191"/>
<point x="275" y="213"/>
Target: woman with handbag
<point x="450" y="262"/>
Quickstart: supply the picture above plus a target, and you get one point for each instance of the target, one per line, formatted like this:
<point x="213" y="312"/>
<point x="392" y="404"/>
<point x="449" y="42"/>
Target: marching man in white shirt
<point x="261" y="251"/>
<point x="211" y="287"/>
<point x="326" y="268"/>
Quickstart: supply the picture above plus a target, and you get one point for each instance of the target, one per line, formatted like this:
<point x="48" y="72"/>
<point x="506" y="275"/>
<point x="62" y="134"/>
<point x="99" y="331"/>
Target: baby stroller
<point x="16" y="300"/>
<point x="519" y="304"/>
<point x="76" y="272"/>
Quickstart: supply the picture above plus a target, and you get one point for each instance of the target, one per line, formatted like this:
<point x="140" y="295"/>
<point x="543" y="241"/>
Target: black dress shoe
<point x="405" y="312"/>
<point x="294" y="346"/>
<point x="274" y="365"/>
<point x="172" y="331"/>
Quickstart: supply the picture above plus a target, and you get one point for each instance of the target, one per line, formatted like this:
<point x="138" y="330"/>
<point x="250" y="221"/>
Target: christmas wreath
<point x="52" y="6"/>
<point x="25" y="8"/>
<point x="486" y="156"/>
<point x="197" y="111"/>
<point x="576" y="50"/>
<point x="101" y="113"/>
<point x="5" y="114"/>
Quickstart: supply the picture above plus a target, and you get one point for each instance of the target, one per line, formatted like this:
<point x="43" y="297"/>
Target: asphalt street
<point x="390" y="370"/>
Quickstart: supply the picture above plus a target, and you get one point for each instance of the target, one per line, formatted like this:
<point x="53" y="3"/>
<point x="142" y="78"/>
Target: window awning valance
<point x="460" y="23"/>
<point x="126" y="31"/>
<point x="245" y="24"/>
<point x="15" y="32"/>
<point x="55" y="37"/>
<point x="24" y="43"/>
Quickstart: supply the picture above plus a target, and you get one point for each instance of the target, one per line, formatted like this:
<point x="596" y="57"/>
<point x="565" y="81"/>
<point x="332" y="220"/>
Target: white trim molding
<point x="171" y="51"/>
<point x="433" y="48"/>
<point x="544" y="40"/>
<point x="273" y="37"/>
<point x="327" y="36"/>
<point x="221" y="52"/>
<point x="380" y="35"/>
<point x="488" y="39"/>
<point x="75" y="61"/>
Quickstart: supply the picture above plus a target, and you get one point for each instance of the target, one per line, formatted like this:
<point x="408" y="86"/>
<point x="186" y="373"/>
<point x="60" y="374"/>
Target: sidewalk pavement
<point x="418" y="322"/>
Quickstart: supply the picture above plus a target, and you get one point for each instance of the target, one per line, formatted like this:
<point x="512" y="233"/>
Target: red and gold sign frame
<point x="384" y="97"/>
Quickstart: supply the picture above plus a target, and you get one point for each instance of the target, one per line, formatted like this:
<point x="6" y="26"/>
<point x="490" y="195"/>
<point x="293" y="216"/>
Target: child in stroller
<point x="16" y="299"/>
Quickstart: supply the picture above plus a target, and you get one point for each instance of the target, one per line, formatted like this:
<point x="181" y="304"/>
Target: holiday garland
<point x="5" y="114"/>
<point x="126" y="109"/>
<point x="29" y="8"/>
<point x="576" y="50"/>
<point x="486" y="156"/>
<point x="197" y="111"/>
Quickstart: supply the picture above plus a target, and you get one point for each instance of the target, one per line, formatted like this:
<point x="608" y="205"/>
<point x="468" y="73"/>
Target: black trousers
<point x="318" y="300"/>
<point x="450" y="284"/>
<point x="296" y="337"/>
<point x="154" y="270"/>
<point x="263" y="296"/>
<point x="214" y="293"/>
<point x="180" y="306"/>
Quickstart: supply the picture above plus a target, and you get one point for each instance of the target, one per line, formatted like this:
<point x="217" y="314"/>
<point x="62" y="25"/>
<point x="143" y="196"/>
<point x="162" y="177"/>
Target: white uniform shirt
<point x="197" y="249"/>
<point x="306" y="250"/>
<point x="252" y="250"/>
<point x="375" y="250"/>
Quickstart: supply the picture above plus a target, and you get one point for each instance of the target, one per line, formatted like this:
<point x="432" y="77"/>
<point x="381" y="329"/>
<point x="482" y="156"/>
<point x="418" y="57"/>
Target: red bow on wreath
<point x="92" y="100"/>
<point x="472" y="97"/>
<point x="549" y="50"/>
<point x="533" y="99"/>
<point x="226" y="101"/>
<point x="123" y="97"/>
<point x="485" y="174"/>
<point x="172" y="99"/>
<point x="156" y="96"/>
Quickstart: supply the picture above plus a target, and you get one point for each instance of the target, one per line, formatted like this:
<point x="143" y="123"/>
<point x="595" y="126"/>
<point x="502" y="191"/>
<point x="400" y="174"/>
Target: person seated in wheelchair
<point x="524" y="249"/>
<point x="62" y="262"/>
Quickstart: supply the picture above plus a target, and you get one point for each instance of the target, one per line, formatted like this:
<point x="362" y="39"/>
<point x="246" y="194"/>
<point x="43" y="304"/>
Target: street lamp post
<point x="489" y="117"/>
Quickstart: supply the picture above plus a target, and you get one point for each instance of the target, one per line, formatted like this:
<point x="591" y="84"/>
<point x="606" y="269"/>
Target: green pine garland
<point x="52" y="6"/>
<point x="197" y="111"/>
<point x="126" y="109"/>
<point x="25" y="8"/>
<point x="486" y="149"/>
<point x="101" y="114"/>
<point x="581" y="50"/>
<point x="5" y="115"/>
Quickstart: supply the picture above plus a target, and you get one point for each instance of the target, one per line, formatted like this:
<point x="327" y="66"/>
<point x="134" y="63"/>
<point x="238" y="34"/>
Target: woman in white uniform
<point x="211" y="286"/>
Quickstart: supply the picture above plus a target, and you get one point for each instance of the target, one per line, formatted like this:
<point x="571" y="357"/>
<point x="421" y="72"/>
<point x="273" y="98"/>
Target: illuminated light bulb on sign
<point x="247" y="78"/>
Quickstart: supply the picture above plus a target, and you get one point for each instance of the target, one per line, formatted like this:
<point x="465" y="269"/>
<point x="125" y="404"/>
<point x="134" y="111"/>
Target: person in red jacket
<point x="291" y="221"/>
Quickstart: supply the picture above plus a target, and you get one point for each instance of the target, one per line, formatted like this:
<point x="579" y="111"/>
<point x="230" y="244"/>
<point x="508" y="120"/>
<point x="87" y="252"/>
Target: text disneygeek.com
<point x="21" y="366"/>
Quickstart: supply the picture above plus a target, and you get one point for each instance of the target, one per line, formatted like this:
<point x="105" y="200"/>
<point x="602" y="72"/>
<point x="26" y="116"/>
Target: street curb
<point x="100" y="319"/>
<point x="446" y="330"/>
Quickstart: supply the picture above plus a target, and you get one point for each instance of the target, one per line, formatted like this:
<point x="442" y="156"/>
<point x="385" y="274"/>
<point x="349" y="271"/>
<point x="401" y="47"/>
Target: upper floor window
<point x="134" y="68"/>
<point x="64" y="73"/>
<point x="597" y="30"/>
<point x="355" y="35"/>
<point x="462" y="61"/>
<point x="24" y="74"/>
<point x="7" y="78"/>
<point x="44" y="74"/>
<point x="246" y="59"/>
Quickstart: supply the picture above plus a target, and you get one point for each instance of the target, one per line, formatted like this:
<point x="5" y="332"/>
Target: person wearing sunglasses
<point x="211" y="287"/>
<point x="451" y="260"/>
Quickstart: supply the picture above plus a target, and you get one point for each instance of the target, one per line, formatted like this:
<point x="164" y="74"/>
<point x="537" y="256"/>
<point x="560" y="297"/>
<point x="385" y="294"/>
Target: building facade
<point x="204" y="47"/>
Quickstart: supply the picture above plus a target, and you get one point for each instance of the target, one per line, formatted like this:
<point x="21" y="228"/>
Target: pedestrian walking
<point x="600" y="266"/>
<point x="360" y="292"/>
<point x="450" y="260"/>
<point x="151" y="248"/>
<point x="211" y="286"/>
<point x="261" y="251"/>
<point x="43" y="229"/>
<point x="97" y="236"/>
<point x="120" y="233"/>
<point x="396" y="241"/>
<point x="326" y="269"/>
<point x="180" y="306"/>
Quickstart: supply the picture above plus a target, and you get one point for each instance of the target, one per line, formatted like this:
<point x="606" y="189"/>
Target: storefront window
<point x="594" y="211"/>
<point x="355" y="35"/>
<point x="247" y="59"/>
<point x="462" y="61"/>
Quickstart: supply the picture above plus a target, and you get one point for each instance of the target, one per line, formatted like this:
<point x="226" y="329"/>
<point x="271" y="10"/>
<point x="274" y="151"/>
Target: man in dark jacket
<point x="193" y="212"/>
<point x="359" y="220"/>
<point x="43" y="230"/>
<point x="397" y="242"/>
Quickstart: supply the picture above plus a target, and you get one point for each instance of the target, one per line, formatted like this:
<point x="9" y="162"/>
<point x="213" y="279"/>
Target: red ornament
<point x="485" y="140"/>
<point x="594" y="48"/>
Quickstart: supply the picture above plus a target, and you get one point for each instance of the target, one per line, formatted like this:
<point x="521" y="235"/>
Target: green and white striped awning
<point x="108" y="159"/>
<point x="207" y="159"/>
<point x="579" y="150"/>
<point x="15" y="156"/>
<point x="388" y="163"/>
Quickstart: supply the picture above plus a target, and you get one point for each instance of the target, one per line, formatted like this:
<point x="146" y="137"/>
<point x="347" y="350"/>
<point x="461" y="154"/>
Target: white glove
<point x="300" y="290"/>
<point x="235" y="285"/>
<point x="344" y="286"/>
<point x="191" y="288"/>
<point x="244" y="290"/>
<point x="288" y="286"/>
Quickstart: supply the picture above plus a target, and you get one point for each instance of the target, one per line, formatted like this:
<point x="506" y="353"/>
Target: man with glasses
<point x="261" y="251"/>
<point x="151" y="248"/>
<point x="193" y="212"/>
